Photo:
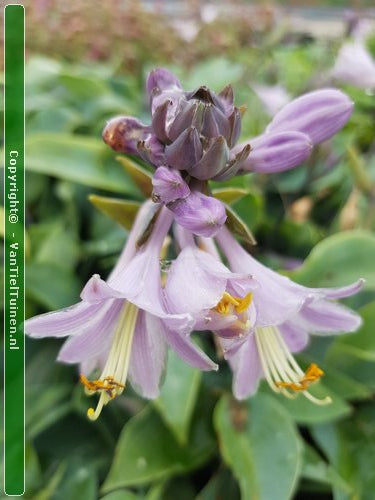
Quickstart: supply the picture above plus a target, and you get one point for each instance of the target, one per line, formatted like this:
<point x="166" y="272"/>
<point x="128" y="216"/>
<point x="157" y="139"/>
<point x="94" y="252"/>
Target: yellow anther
<point x="312" y="374"/>
<point x="244" y="303"/>
<point x="108" y="385"/>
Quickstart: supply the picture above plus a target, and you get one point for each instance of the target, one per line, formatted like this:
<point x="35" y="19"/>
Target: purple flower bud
<point x="123" y="133"/>
<point x="215" y="123"/>
<point x="159" y="121"/>
<point x="162" y="79"/>
<point x="168" y="185"/>
<point x="272" y="153"/>
<point x="202" y="215"/>
<point x="213" y="161"/>
<point x="189" y="114"/>
<point x="185" y="151"/>
<point x="152" y="150"/>
<point x="318" y="114"/>
<point x="226" y="97"/>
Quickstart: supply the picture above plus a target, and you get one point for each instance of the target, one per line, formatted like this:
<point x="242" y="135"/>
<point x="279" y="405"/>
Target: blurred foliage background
<point x="87" y="61"/>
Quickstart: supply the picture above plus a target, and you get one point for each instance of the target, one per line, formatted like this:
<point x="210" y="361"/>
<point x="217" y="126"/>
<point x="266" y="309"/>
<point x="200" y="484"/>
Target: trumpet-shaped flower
<point x="122" y="326"/>
<point x="286" y="314"/>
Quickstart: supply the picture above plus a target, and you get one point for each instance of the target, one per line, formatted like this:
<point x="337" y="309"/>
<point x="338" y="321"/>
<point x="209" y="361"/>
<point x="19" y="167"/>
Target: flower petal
<point x="95" y="338"/>
<point x="68" y="321"/>
<point x="276" y="152"/>
<point x="295" y="336"/>
<point x="319" y="114"/>
<point x="184" y="347"/>
<point x="148" y="356"/>
<point x="247" y="370"/>
<point x="323" y="316"/>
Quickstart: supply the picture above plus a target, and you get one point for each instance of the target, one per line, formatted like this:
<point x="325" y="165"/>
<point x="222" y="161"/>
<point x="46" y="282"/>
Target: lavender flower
<point x="286" y="313"/>
<point x="122" y="326"/>
<point x="261" y="317"/>
<point x="355" y="66"/>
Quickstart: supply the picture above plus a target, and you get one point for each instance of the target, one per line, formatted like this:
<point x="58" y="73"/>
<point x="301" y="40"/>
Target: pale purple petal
<point x="68" y="321"/>
<point x="169" y="185"/>
<point x="247" y="369"/>
<point x="185" y="348"/>
<point x="190" y="286"/>
<point x="342" y="291"/>
<point x="319" y="114"/>
<point x="96" y="290"/>
<point x="276" y="152"/>
<point x="295" y="336"/>
<point x="328" y="317"/>
<point x="95" y="337"/>
<point x="354" y="65"/>
<point x="202" y="215"/>
<point x="148" y="356"/>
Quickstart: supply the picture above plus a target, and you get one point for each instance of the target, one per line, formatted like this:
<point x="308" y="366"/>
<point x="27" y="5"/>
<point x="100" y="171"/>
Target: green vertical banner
<point x="14" y="176"/>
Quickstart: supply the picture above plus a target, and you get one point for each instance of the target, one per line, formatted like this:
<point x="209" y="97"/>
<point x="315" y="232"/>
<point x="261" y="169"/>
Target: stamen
<point x="281" y="370"/>
<point x="244" y="303"/>
<point x="111" y="382"/>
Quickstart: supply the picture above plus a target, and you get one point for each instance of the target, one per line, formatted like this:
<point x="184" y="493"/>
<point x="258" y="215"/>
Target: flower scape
<point x="122" y="328"/>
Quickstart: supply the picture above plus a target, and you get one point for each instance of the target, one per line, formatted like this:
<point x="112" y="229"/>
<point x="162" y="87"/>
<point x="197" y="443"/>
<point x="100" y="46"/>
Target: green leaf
<point x="140" y="176"/>
<point x="79" y="483"/>
<point x="178" y="396"/>
<point x="238" y="227"/>
<point x="229" y="194"/>
<point x="121" y="211"/>
<point x="350" y="447"/>
<point x="259" y="442"/>
<point x="81" y="159"/>
<point x="360" y="344"/>
<point x="46" y="405"/>
<point x="340" y="259"/>
<point x="147" y="451"/>
<point x="250" y="209"/>
<point x="51" y="285"/>
<point x="317" y="470"/>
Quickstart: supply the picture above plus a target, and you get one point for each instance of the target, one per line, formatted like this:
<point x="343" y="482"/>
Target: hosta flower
<point x="122" y="326"/>
<point x="261" y="317"/>
<point x="355" y="66"/>
<point x="286" y="314"/>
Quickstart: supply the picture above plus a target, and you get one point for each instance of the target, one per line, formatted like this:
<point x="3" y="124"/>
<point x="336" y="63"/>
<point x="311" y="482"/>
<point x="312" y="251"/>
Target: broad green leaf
<point x="83" y="87"/>
<point x="140" y="176"/>
<point x="50" y="488"/>
<point x="86" y="160"/>
<point x="340" y="259"/>
<point x="147" y="451"/>
<point x="250" y="209"/>
<point x="79" y="482"/>
<point x="33" y="470"/>
<point x="259" y="442"/>
<point x="178" y="396"/>
<point x="238" y="227"/>
<point x="46" y="404"/>
<point x="317" y="470"/>
<point x="350" y="448"/>
<point x="222" y="485"/>
<point x="121" y="211"/>
<point x="360" y="344"/>
<point x="56" y="246"/>
<point x="51" y="285"/>
<point x="229" y="194"/>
